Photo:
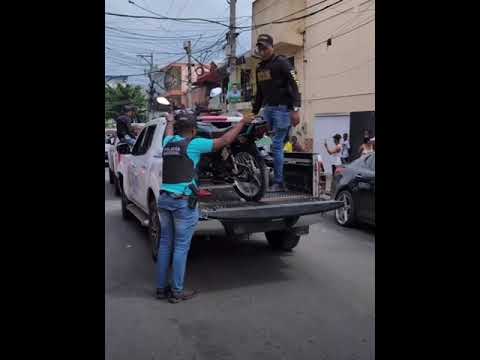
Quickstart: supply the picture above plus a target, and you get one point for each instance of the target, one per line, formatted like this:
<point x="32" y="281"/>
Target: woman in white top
<point x="336" y="152"/>
<point x="366" y="147"/>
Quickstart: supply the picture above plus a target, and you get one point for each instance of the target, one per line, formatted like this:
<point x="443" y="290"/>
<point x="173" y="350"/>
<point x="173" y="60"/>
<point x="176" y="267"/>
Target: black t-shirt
<point x="124" y="126"/>
<point x="276" y="84"/>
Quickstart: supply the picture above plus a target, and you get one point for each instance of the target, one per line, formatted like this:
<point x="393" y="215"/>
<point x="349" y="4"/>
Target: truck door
<point x="132" y="189"/>
<point x="142" y="160"/>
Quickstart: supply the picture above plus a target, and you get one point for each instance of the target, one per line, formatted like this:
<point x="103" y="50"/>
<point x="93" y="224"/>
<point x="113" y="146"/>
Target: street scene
<point x="240" y="179"/>
<point x="314" y="303"/>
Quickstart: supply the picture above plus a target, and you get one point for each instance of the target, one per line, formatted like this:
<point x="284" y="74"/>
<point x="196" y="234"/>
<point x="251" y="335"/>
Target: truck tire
<point x="111" y="176"/>
<point x="127" y="215"/>
<point x="282" y="239"/>
<point x="154" y="228"/>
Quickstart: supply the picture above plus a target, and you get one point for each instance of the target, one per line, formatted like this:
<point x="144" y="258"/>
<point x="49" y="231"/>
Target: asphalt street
<point x="316" y="302"/>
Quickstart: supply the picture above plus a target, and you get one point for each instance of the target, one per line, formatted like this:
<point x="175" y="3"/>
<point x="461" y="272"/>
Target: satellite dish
<point x="163" y="101"/>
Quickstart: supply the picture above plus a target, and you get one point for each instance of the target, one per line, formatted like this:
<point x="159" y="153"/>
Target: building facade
<point x="333" y="53"/>
<point x="173" y="81"/>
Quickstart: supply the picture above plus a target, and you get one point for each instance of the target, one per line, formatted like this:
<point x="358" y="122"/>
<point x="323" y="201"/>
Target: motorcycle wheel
<point x="246" y="187"/>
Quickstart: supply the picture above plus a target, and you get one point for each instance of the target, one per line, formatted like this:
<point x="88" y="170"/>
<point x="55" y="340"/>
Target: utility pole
<point x="232" y="56"/>
<point x="151" y="90"/>
<point x="187" y="45"/>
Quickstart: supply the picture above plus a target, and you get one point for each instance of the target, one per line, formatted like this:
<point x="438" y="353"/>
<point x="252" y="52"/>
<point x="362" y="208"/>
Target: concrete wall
<point x="268" y="10"/>
<point x="332" y="79"/>
<point x="341" y="77"/>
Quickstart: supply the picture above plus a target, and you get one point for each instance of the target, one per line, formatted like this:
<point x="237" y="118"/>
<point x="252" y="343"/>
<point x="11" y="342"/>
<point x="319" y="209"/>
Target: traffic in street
<point x="253" y="302"/>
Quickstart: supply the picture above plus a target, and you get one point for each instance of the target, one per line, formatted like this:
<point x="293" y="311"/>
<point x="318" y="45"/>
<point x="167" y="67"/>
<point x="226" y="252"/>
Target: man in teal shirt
<point x="181" y="155"/>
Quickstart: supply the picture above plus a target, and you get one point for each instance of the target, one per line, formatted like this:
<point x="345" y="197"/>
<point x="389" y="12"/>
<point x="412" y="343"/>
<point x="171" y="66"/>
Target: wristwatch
<point x="296" y="109"/>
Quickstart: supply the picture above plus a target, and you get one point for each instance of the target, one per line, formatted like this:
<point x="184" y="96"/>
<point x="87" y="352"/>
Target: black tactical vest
<point x="177" y="166"/>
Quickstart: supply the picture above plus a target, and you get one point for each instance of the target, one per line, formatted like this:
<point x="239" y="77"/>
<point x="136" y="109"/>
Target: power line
<point x="166" y="18"/>
<point x="344" y="33"/>
<point x="278" y="21"/>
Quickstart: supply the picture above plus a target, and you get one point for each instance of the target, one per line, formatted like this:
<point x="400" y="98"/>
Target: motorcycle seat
<point x="210" y="131"/>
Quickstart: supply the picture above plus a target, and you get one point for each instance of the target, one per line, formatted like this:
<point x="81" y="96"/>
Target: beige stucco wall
<point x="337" y="78"/>
<point x="341" y="77"/>
<point x="267" y="10"/>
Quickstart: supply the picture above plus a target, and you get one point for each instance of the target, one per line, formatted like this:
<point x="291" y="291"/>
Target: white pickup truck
<point x="281" y="216"/>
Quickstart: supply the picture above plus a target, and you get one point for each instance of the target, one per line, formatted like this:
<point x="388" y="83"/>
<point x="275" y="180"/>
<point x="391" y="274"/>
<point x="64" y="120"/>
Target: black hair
<point x="345" y="134"/>
<point x="128" y="108"/>
<point x="337" y="137"/>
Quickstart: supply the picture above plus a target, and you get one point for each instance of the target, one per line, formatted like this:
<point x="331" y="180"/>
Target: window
<point x="138" y="143"/>
<point x="145" y="141"/>
<point x="148" y="138"/>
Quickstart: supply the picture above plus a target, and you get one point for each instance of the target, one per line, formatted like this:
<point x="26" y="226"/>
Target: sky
<point x="126" y="37"/>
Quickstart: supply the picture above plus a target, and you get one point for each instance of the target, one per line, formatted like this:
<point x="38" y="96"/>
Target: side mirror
<point x="123" y="148"/>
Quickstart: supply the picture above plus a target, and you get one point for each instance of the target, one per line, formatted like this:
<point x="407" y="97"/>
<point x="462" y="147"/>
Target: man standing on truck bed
<point x="277" y="91"/>
<point x="176" y="204"/>
<point x="124" y="125"/>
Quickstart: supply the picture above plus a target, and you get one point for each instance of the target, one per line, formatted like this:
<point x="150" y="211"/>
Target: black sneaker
<point x="163" y="294"/>
<point x="277" y="188"/>
<point x="184" y="295"/>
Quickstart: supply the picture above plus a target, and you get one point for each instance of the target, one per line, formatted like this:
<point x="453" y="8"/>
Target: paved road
<point x="316" y="302"/>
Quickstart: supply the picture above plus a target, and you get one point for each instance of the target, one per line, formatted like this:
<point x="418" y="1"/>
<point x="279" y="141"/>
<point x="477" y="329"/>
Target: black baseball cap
<point x="265" y="40"/>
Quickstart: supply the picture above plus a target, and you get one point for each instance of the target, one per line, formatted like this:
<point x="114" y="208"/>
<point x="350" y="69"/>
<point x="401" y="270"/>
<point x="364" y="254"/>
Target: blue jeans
<point x="178" y="223"/>
<point x="278" y="117"/>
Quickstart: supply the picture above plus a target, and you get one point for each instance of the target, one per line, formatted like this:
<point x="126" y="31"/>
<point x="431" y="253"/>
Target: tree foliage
<point x="121" y="95"/>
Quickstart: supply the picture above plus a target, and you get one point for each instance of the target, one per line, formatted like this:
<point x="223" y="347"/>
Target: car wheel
<point x="111" y="176"/>
<point x="282" y="239"/>
<point x="345" y="216"/>
<point x="153" y="228"/>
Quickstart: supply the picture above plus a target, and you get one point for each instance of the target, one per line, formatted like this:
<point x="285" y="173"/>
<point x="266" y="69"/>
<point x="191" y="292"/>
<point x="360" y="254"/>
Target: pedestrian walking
<point x="345" y="149"/>
<point x="335" y="152"/>
<point x="277" y="93"/>
<point x="177" y="200"/>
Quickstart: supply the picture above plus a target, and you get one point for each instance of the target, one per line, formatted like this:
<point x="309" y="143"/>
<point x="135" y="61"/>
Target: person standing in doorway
<point x="335" y="152"/>
<point x="277" y="93"/>
<point x="345" y="149"/>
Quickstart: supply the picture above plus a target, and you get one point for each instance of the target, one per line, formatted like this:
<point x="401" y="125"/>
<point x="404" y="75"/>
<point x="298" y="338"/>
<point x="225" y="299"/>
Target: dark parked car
<point x="354" y="184"/>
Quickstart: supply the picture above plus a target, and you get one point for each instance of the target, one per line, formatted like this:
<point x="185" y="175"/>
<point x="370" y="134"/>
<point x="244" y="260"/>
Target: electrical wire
<point x="342" y="34"/>
<point x="278" y="21"/>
